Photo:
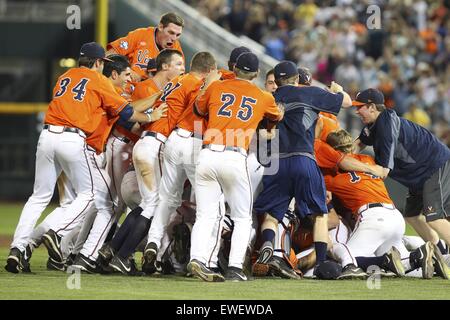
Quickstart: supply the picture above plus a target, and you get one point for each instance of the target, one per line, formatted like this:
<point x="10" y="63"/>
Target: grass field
<point x="43" y="284"/>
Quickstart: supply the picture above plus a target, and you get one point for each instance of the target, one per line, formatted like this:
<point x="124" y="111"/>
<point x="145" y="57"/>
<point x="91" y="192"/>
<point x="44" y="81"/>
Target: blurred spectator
<point x="417" y="115"/>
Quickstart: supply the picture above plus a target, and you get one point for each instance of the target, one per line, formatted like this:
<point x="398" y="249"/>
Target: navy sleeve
<point x="365" y="138"/>
<point x="327" y="101"/>
<point x="388" y="130"/>
<point x="126" y="112"/>
<point x="126" y="124"/>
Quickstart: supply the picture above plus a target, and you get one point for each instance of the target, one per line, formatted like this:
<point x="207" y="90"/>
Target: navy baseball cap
<point x="151" y="65"/>
<point x="93" y="50"/>
<point x="236" y="52"/>
<point x="368" y="96"/>
<point x="285" y="69"/>
<point x="304" y="76"/>
<point x="328" y="270"/>
<point x="248" y="61"/>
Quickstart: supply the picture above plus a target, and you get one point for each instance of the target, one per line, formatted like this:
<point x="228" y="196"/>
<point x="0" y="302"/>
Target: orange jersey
<point x="80" y="99"/>
<point x="144" y="89"/>
<point x="178" y="94"/>
<point x="227" y="74"/>
<point x="235" y="108"/>
<point x="355" y="189"/>
<point x="139" y="46"/>
<point x="329" y="123"/>
<point x="98" y="138"/>
<point x="326" y="156"/>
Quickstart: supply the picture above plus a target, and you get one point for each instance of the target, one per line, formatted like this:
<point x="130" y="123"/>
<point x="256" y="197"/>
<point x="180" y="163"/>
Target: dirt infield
<point x="5" y="241"/>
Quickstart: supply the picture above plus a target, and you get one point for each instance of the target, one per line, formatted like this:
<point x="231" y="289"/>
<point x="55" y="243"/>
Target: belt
<point x="375" y="205"/>
<point x="222" y="148"/>
<point x="60" y="129"/>
<point x="158" y="136"/>
<point x="120" y="137"/>
<point x="187" y="134"/>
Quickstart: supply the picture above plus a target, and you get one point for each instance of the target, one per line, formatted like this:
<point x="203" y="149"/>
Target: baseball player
<point x="403" y="149"/>
<point x="235" y="107"/>
<point x="234" y="54"/>
<point x="298" y="175"/>
<point x="80" y="98"/>
<point x="380" y="226"/>
<point x="143" y="44"/>
<point x="180" y="154"/>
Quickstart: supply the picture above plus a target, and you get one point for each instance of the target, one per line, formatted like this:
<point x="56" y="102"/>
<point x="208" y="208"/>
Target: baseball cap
<point x="236" y="52"/>
<point x="93" y="50"/>
<point x="151" y="65"/>
<point x="304" y="76"/>
<point x="368" y="96"/>
<point x="328" y="270"/>
<point x="248" y="61"/>
<point x="285" y="69"/>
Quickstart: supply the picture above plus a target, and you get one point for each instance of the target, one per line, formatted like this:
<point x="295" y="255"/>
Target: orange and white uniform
<point x="178" y="94"/>
<point x="234" y="107"/>
<point x="81" y="97"/>
<point x="139" y="46"/>
<point x="380" y="225"/>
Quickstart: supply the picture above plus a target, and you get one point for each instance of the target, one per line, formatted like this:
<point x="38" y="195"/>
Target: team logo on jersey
<point x="367" y="131"/>
<point x="124" y="45"/>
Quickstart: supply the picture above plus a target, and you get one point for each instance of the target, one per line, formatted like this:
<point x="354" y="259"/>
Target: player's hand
<point x="160" y="112"/>
<point x="135" y="77"/>
<point x="267" y="134"/>
<point x="377" y="171"/>
<point x="335" y="88"/>
<point x="212" y="76"/>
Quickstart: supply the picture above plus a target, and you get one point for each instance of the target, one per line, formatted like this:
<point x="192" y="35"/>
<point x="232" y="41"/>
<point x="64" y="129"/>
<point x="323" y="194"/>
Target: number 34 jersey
<point x="81" y="98"/>
<point x="355" y="189"/>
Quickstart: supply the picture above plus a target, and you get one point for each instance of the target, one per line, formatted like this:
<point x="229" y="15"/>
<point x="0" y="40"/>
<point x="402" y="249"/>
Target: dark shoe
<point x="121" y="265"/>
<point x="70" y="259"/>
<point x="52" y="241"/>
<point x="425" y="254"/>
<point x="198" y="269"/>
<point x="392" y="261"/>
<point x="351" y="271"/>
<point x="280" y="268"/>
<point x="135" y="272"/>
<point x="149" y="258"/>
<point x="85" y="264"/>
<point x="14" y="261"/>
<point x="27" y="257"/>
<point x="181" y="242"/>
<point x="266" y="252"/>
<point x="55" y="265"/>
<point x="235" y="274"/>
<point x="440" y="267"/>
<point x="105" y="255"/>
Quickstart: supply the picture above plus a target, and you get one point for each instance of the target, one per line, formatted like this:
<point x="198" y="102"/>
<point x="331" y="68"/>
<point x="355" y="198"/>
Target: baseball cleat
<point x="351" y="271"/>
<point x="198" y="269"/>
<point x="121" y="265"/>
<point x="266" y="252"/>
<point x="440" y="266"/>
<point x="52" y="241"/>
<point x="393" y="262"/>
<point x="235" y="274"/>
<point x="280" y="268"/>
<point x="105" y="255"/>
<point x="426" y="252"/>
<point x="13" y="262"/>
<point x="149" y="258"/>
<point x="55" y="265"/>
<point x="85" y="264"/>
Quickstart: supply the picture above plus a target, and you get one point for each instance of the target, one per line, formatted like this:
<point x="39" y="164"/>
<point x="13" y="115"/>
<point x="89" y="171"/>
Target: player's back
<point x="80" y="98"/>
<point x="236" y="107"/>
<point x="356" y="189"/>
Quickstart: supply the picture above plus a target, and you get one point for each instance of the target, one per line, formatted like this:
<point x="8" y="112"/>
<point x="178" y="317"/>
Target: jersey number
<point x="79" y="90"/>
<point x="354" y="178"/>
<point x="168" y="89"/>
<point x="246" y="107"/>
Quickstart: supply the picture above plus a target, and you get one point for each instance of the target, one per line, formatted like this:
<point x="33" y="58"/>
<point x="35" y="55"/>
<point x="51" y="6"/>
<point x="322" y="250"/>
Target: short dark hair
<point x="203" y="62"/>
<point x="286" y="80"/>
<point x="171" y="17"/>
<point x="87" y="62"/>
<point x="165" y="56"/>
<point x="268" y="73"/>
<point x="119" y="64"/>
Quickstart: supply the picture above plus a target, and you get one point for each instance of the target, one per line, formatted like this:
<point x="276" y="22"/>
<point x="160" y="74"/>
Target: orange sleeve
<point x="326" y="156"/>
<point x="125" y="45"/>
<point x="112" y="102"/>
<point x="202" y="103"/>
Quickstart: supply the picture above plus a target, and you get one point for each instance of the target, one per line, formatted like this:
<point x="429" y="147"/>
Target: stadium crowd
<point x="406" y="58"/>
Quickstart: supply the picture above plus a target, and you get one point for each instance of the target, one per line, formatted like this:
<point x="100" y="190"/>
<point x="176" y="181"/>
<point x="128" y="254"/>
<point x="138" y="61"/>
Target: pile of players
<point x="223" y="180"/>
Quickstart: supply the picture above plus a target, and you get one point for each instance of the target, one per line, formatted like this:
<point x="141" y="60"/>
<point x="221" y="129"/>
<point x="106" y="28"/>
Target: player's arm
<point x="358" y="145"/>
<point x="128" y="114"/>
<point x="200" y="104"/>
<point x="336" y="88"/>
<point x="351" y="164"/>
<point x="142" y="105"/>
